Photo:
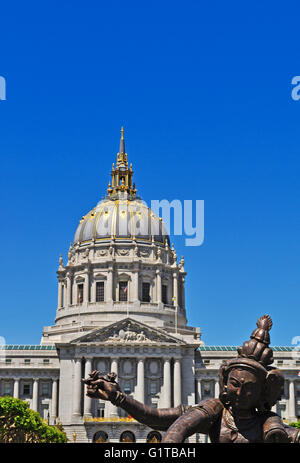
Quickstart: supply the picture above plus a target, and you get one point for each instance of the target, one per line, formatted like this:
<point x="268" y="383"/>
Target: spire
<point x="122" y="142"/>
<point x="121" y="174"/>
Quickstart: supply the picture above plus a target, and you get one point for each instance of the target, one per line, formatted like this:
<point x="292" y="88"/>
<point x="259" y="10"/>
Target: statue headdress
<point x="257" y="356"/>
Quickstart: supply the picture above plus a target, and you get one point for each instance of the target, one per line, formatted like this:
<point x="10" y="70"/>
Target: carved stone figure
<point x="249" y="387"/>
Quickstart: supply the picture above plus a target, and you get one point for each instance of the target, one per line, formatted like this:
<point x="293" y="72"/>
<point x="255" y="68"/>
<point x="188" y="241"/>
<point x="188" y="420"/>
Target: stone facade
<point x="121" y="308"/>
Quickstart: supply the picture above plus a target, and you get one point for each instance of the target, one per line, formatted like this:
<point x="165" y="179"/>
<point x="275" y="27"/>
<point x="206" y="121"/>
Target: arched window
<point x="100" y="437"/>
<point x="154" y="437"/>
<point x="127" y="436"/>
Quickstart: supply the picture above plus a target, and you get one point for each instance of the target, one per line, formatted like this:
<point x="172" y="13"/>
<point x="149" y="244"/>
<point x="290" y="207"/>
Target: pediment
<point x="127" y="331"/>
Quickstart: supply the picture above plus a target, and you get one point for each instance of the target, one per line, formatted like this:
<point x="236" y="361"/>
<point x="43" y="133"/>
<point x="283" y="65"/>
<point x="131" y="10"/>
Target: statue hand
<point x="276" y="436"/>
<point x="101" y="387"/>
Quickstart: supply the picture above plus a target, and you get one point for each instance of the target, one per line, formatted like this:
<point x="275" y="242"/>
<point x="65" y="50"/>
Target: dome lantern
<point x="121" y="175"/>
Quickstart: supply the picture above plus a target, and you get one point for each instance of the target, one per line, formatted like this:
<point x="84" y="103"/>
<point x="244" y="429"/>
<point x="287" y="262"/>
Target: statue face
<point x="244" y="389"/>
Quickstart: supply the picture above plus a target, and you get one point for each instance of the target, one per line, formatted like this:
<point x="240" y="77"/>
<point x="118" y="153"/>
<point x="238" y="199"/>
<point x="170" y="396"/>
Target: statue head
<point x="248" y="382"/>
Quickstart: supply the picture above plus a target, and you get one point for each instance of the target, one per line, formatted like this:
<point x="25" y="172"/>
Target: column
<point x="87" y="400"/>
<point x="140" y="387"/>
<point x="69" y="289"/>
<point x="74" y="292"/>
<point x="167" y="384"/>
<point x="199" y="391"/>
<point x="217" y="389"/>
<point x="35" y="392"/>
<point x="292" y="410"/>
<point x="54" y="400"/>
<point x="77" y="388"/>
<point x="86" y="288"/>
<point x="175" y="290"/>
<point x="177" y="382"/>
<point x="16" y="387"/>
<point x="135" y="282"/>
<point x="109" y="296"/>
<point x="59" y="301"/>
<point x="158" y="286"/>
<point x="65" y="292"/>
<point x="113" y="410"/>
<point x="93" y="290"/>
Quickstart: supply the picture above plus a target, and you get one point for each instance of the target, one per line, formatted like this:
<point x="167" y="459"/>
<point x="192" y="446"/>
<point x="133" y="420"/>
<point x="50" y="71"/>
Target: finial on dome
<point x="122" y="174"/>
<point x="122" y="142"/>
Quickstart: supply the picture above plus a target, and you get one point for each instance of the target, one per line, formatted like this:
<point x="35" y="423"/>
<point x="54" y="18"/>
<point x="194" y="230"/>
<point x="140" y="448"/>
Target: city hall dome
<point x="121" y="219"/>
<point x="121" y="214"/>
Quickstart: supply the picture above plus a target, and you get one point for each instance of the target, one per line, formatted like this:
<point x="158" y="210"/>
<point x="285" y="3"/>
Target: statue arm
<point x="104" y="387"/>
<point x="197" y="419"/>
<point x="156" y="418"/>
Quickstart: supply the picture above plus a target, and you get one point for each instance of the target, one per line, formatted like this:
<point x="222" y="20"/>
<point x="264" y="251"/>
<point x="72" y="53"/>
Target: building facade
<point x="121" y="308"/>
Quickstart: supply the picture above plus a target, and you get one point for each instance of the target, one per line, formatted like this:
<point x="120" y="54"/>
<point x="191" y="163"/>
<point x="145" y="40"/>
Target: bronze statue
<point x="249" y="387"/>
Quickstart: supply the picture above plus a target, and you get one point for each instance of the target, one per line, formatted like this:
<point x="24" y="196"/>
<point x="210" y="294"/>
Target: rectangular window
<point x="26" y="389"/>
<point x="153" y="387"/>
<point x="127" y="387"/>
<point x="45" y="389"/>
<point x="79" y="294"/>
<point x="146" y="292"/>
<point x="46" y="361"/>
<point x="164" y="294"/>
<point x="7" y="388"/>
<point x="100" y="291"/>
<point x="123" y="290"/>
<point x="27" y="361"/>
<point x="101" y="410"/>
<point x="7" y="361"/>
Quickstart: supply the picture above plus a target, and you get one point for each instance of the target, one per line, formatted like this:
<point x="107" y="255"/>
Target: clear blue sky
<point x="203" y="90"/>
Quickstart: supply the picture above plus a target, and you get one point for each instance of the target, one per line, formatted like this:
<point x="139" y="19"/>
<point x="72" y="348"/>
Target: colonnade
<point x="166" y="392"/>
<point x="17" y="393"/>
<point x="68" y="288"/>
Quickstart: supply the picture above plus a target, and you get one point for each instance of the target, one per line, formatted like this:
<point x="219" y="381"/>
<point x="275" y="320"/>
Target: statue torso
<point x="231" y="430"/>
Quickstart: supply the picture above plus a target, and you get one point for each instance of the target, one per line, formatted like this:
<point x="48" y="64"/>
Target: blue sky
<point x="203" y="90"/>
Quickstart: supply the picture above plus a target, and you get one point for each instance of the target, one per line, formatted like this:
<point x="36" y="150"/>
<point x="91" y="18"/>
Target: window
<point x="123" y="290"/>
<point x="27" y="361"/>
<point x="127" y="436"/>
<point x="46" y="361"/>
<point x="100" y="291"/>
<point x="7" y="361"/>
<point x="26" y="389"/>
<point x="79" y="294"/>
<point x="45" y="389"/>
<point x="154" y="437"/>
<point x="100" y="437"/>
<point x="153" y="387"/>
<point x="7" y="390"/>
<point x="206" y="389"/>
<point x="146" y="292"/>
<point x="127" y="387"/>
<point x="164" y="294"/>
<point x="100" y="410"/>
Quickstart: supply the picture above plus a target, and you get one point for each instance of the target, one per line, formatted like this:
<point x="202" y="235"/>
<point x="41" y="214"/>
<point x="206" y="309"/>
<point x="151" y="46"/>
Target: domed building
<point x="121" y="308"/>
<point x="119" y="264"/>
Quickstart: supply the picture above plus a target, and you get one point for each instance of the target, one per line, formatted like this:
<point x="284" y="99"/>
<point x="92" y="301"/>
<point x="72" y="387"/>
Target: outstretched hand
<point x="101" y="386"/>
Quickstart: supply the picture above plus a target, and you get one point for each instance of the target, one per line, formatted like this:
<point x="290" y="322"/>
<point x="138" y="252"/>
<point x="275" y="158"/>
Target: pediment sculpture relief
<point x="129" y="336"/>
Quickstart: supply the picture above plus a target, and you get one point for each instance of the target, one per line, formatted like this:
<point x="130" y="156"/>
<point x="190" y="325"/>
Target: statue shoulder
<point x="213" y="407"/>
